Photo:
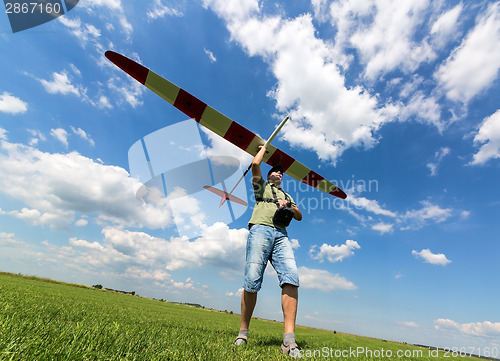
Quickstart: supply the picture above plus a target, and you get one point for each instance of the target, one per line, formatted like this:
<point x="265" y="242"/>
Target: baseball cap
<point x="276" y="168"/>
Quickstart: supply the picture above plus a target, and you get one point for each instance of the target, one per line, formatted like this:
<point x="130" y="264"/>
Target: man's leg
<point x="248" y="301"/>
<point x="289" y="302"/>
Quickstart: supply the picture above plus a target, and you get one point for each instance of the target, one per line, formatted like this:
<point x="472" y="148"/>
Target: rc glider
<point x="222" y="126"/>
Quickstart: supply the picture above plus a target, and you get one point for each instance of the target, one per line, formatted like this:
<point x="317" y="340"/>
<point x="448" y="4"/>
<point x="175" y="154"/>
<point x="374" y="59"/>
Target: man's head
<point x="275" y="175"/>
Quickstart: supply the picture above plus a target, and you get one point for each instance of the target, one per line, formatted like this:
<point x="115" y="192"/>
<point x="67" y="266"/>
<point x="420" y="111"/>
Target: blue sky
<point x="397" y="102"/>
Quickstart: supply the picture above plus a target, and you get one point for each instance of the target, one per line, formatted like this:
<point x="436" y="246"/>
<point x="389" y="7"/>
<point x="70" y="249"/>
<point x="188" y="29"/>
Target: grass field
<point x="48" y="320"/>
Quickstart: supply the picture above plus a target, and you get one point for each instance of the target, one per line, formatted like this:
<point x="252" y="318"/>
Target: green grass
<point x="47" y="320"/>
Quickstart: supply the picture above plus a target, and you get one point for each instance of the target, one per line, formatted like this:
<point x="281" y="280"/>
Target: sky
<point x="396" y="102"/>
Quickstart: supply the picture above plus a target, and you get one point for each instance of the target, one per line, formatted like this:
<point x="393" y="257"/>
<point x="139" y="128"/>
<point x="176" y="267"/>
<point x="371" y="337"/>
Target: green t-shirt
<point x="263" y="212"/>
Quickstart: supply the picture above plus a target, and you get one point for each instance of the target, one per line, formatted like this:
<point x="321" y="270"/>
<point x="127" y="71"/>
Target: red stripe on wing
<point x="135" y="70"/>
<point x="239" y="135"/>
<point x="189" y="105"/>
<point x="312" y="179"/>
<point x="280" y="158"/>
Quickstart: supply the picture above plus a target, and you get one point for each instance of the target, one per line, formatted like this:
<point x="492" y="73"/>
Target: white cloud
<point x="323" y="280"/>
<point x="411" y="219"/>
<point x="385" y="38"/>
<point x="485" y="328"/>
<point x="219" y="247"/>
<point x="160" y="10"/>
<point x="409" y="324"/>
<point x="81" y="222"/>
<point x="488" y="137"/>
<point x="104" y="103"/>
<point x="11" y="104"/>
<point x="438" y="157"/>
<point x="115" y="8"/>
<point x="61" y="84"/>
<point x="429" y="257"/>
<point x="428" y="212"/>
<point x="383" y="227"/>
<point x="130" y="90"/>
<point x="424" y="109"/>
<point x="327" y="117"/>
<point x="8" y="239"/>
<point x="474" y="65"/>
<point x="85" y="33"/>
<point x="334" y="253"/>
<point x="210" y="55"/>
<point x="445" y="27"/>
<point x="55" y="187"/>
<point x="37" y="136"/>
<point x="235" y="294"/>
<point x="371" y="206"/>
<point x="82" y="134"/>
<point x="61" y="135"/>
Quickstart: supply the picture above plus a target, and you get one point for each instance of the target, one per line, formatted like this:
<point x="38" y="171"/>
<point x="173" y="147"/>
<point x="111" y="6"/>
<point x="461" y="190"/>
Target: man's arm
<point x="257" y="160"/>
<point x="297" y="214"/>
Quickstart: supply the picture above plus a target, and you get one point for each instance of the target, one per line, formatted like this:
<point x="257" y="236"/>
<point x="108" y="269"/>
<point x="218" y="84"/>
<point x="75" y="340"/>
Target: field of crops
<point x="48" y="320"/>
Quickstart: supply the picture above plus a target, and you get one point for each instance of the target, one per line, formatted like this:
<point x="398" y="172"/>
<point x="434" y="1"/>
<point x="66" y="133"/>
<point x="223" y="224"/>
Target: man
<point x="268" y="240"/>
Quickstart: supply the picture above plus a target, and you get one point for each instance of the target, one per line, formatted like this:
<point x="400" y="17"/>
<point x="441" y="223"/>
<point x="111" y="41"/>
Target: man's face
<point x="275" y="177"/>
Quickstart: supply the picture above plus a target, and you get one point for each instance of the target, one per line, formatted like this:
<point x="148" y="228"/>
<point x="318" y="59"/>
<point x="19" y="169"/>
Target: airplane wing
<point x="220" y="124"/>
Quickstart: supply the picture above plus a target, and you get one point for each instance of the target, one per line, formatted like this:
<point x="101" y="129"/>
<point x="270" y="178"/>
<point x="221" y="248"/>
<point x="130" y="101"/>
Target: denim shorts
<point x="265" y="244"/>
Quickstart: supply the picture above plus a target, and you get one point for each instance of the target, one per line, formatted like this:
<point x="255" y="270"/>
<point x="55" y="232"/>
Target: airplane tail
<point x="225" y="196"/>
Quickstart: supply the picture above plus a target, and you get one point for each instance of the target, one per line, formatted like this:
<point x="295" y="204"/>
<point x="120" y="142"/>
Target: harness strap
<point x="275" y="198"/>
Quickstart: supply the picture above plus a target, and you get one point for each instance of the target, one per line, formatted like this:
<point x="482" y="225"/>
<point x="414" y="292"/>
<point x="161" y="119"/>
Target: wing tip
<point x="337" y="192"/>
<point x="129" y="66"/>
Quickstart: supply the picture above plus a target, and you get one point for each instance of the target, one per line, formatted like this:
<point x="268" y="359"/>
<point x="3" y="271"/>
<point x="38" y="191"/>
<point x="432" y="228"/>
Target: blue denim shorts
<point x="265" y="244"/>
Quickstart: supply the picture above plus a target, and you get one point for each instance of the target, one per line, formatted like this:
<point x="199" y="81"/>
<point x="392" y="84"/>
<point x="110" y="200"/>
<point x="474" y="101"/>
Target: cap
<point x="276" y="168"/>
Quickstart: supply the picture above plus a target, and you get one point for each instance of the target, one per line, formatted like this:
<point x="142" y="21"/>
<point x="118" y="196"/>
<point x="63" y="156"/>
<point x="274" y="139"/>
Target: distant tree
<point x="99" y="287"/>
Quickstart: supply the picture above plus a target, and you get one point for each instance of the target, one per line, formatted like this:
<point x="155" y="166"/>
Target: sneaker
<point x="291" y="350"/>
<point x="240" y="341"/>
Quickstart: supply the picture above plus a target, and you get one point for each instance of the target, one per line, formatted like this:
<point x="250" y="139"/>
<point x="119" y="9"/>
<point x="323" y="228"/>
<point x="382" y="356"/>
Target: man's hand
<point x="283" y="203"/>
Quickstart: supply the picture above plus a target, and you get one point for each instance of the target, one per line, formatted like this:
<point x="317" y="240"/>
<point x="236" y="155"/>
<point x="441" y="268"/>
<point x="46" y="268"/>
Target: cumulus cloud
<point x="310" y="86"/>
<point x="141" y="255"/>
<point x="334" y="253"/>
<point x="432" y="258"/>
<point x="488" y="138"/>
<point x="55" y="187"/>
<point x="235" y="294"/>
<point x="12" y="105"/>
<point x="429" y="211"/>
<point x="485" y="328"/>
<point x="61" y="84"/>
<point x="445" y="27"/>
<point x="385" y="40"/>
<point x="474" y="65"/>
<point x="323" y="280"/>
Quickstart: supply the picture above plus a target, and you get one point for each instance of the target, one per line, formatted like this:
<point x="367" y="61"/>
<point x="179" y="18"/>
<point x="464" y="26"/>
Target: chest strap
<point x="275" y="198"/>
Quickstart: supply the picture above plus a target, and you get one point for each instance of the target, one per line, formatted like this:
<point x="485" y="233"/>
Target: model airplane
<point x="222" y="126"/>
